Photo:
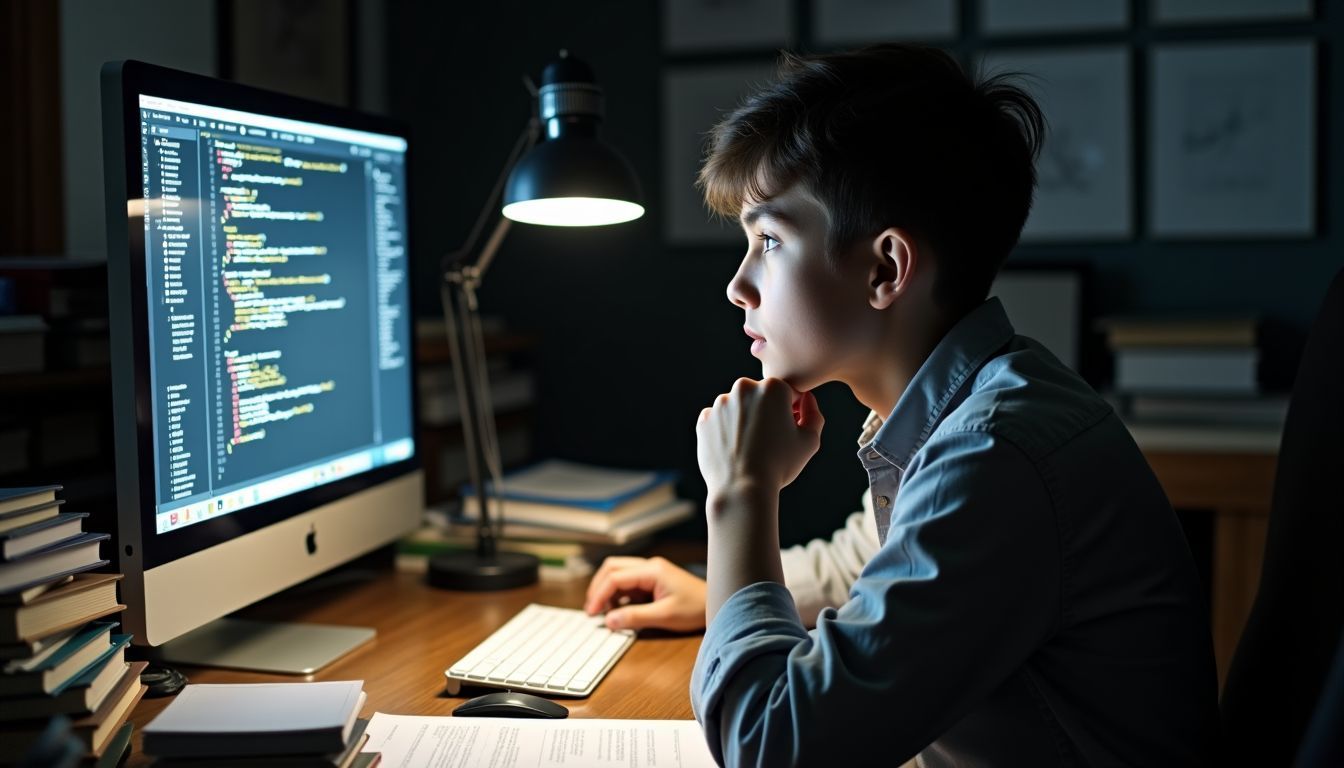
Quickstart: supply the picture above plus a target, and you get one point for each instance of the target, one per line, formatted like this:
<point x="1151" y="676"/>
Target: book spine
<point x="1192" y="371"/>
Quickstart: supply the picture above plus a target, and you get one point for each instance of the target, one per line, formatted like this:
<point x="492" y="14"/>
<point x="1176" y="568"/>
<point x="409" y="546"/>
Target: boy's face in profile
<point x="811" y="313"/>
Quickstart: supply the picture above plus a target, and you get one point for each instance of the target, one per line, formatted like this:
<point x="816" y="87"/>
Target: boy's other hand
<point x="624" y="587"/>
<point x="761" y="434"/>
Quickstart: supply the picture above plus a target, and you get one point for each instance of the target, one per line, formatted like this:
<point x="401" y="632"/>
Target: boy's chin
<point x="801" y="381"/>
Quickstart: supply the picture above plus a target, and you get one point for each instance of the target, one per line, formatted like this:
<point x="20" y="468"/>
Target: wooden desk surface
<point x="421" y="630"/>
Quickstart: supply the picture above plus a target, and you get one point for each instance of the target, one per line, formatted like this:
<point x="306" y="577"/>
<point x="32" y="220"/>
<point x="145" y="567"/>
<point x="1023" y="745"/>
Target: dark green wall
<point x="637" y="337"/>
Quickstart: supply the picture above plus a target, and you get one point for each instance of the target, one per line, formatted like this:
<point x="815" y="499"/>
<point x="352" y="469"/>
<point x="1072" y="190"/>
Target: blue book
<point x="59" y="669"/>
<point x="34" y="536"/>
<point x="69" y="556"/>
<point x="567" y="483"/>
<point x="17" y="518"/>
<point x="82" y="695"/>
<point x="577" y="497"/>
<point x="13" y="499"/>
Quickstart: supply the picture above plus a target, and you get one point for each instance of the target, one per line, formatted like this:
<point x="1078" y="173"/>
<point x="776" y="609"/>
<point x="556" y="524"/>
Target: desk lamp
<point x="569" y="178"/>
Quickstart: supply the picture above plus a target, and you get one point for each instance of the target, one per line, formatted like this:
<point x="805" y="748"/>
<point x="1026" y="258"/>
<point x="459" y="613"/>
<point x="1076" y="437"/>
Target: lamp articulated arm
<point x="466" y="346"/>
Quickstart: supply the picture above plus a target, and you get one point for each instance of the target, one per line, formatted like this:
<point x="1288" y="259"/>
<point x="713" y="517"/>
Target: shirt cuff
<point x="757" y="620"/>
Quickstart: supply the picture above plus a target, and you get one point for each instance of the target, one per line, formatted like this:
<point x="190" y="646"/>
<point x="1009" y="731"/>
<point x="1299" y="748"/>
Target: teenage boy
<point x="1020" y="591"/>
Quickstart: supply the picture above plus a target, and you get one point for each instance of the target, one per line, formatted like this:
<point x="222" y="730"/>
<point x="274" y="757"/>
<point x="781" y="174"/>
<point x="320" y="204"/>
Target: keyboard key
<point x="597" y="662"/>
<point x="575" y="662"/>
<point x="494" y="642"/>
<point x="530" y="655"/>
<point x="548" y="668"/>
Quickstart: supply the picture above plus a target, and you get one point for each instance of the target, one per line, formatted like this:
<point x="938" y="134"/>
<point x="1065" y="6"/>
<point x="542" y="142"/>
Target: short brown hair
<point x="889" y="135"/>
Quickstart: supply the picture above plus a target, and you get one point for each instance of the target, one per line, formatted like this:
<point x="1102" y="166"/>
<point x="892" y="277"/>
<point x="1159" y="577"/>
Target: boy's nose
<point x="741" y="292"/>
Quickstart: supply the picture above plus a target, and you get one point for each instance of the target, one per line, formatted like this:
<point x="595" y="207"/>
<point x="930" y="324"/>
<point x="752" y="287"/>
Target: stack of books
<point x="568" y="514"/>
<point x="57" y="660"/>
<point x="561" y="560"/>
<point x="276" y="725"/>
<point x="1178" y="356"/>
<point x="1183" y="381"/>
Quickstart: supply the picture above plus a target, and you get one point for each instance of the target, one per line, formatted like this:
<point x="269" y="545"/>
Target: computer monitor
<point x="263" y="375"/>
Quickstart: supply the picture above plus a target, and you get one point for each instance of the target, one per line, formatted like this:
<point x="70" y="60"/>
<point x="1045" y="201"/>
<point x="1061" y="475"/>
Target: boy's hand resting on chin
<point x="751" y="443"/>
<point x="759" y="435"/>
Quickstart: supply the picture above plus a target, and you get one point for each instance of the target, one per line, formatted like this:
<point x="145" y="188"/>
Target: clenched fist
<point x="759" y="434"/>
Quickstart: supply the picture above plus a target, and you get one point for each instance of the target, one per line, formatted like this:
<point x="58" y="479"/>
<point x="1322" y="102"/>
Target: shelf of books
<point x="439" y="428"/>
<point x="55" y="393"/>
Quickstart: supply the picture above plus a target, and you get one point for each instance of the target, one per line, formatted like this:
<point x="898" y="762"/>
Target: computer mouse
<point x="510" y="704"/>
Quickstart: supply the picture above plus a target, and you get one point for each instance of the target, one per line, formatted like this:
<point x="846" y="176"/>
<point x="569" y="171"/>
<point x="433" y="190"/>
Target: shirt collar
<point x="961" y="352"/>
<point x="870" y="427"/>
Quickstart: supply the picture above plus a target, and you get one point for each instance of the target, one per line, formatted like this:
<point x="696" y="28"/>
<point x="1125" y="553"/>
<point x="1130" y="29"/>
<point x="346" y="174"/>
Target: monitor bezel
<point x="126" y="82"/>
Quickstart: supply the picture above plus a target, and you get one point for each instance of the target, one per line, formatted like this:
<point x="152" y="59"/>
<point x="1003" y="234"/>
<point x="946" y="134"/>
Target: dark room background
<point x="633" y="336"/>
<point x="638" y="336"/>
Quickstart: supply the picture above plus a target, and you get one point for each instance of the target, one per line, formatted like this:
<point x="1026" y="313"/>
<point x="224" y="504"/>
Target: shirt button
<point x="883" y="501"/>
<point x="874" y="455"/>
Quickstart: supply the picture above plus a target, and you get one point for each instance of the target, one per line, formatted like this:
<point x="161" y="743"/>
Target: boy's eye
<point x="770" y="243"/>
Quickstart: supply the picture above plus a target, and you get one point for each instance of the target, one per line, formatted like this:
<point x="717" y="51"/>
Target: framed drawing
<point x="1232" y="140"/>
<point x="693" y="26"/>
<point x="1024" y="17"/>
<point x="694" y="100"/>
<point x="1084" y="187"/>
<point x="1048" y="303"/>
<point x="849" y="22"/>
<point x="1203" y="11"/>
<point x="300" y="47"/>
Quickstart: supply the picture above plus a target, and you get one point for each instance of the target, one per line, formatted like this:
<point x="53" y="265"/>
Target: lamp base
<point x="468" y="572"/>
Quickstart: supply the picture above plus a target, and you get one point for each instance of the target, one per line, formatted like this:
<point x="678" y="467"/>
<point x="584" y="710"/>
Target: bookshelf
<point x="439" y="438"/>
<point x="56" y="427"/>
<point x="56" y="406"/>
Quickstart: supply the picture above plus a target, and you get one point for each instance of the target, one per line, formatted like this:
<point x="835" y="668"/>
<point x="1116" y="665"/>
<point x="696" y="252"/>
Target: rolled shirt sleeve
<point x="963" y="590"/>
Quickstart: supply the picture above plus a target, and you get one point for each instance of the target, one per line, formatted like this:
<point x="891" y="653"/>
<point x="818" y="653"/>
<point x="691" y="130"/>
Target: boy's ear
<point x="895" y="259"/>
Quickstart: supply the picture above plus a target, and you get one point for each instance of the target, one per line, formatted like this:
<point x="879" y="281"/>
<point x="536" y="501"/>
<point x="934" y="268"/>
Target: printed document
<point x="410" y="741"/>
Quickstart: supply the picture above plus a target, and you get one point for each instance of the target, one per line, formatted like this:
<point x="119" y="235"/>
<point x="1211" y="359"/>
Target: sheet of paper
<point x="410" y="741"/>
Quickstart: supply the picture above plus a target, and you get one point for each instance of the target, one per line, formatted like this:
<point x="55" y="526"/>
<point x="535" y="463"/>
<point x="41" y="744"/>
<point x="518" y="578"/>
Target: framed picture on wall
<point x="693" y="26"/>
<point x="695" y="98"/>
<point x="299" y="47"/>
<point x="1024" y="17"/>
<point x="1049" y="303"/>
<point x="1084" y="175"/>
<point x="1203" y="11"/>
<point x="1232" y="140"/>
<point x="854" y="22"/>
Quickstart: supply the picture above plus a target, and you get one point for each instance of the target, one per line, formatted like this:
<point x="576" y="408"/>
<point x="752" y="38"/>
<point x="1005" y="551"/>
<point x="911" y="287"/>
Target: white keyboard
<point x="546" y="650"/>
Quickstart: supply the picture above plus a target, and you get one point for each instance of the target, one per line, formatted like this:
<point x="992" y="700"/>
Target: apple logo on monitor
<point x="310" y="541"/>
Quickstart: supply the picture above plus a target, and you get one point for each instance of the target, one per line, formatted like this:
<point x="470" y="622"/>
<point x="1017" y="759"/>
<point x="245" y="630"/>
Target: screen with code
<point x="279" y="317"/>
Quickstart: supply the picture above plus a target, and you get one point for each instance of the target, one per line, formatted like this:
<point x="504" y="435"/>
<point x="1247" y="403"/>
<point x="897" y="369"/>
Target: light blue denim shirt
<point x="1033" y="601"/>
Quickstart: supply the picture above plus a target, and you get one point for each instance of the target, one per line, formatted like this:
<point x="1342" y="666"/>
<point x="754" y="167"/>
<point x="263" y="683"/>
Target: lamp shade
<point x="572" y="181"/>
<point x="571" y="177"/>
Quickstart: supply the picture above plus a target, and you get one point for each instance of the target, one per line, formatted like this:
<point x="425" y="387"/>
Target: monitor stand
<point x="264" y="646"/>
